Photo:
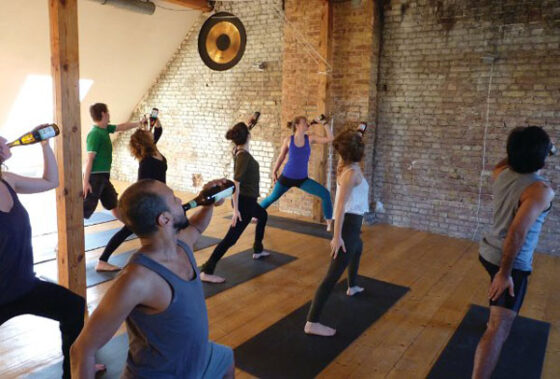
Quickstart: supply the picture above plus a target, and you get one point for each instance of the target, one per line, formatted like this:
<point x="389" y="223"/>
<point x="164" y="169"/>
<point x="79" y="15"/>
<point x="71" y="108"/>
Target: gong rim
<point x="221" y="41"/>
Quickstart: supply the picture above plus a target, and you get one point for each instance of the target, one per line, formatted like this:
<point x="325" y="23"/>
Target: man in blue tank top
<point x="159" y="294"/>
<point x="522" y="200"/>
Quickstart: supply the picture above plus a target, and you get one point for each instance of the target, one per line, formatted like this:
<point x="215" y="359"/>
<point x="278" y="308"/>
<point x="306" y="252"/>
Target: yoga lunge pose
<point x="298" y="148"/>
<point x="245" y="206"/>
<point x="159" y="294"/>
<point x="99" y="158"/>
<point x="522" y="200"/>
<point x="153" y="165"/>
<point x="346" y="245"/>
<point x="21" y="292"/>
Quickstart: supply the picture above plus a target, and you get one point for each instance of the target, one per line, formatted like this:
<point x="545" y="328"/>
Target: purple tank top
<point x="298" y="160"/>
<point x="16" y="252"/>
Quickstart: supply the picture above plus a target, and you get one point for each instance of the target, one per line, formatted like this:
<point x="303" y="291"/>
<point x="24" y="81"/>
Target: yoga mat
<point x="49" y="270"/>
<point x="285" y="351"/>
<point x="43" y="247"/>
<point x="297" y="226"/>
<point x="113" y="355"/>
<point x="522" y="355"/>
<point x="241" y="267"/>
<point x="99" y="218"/>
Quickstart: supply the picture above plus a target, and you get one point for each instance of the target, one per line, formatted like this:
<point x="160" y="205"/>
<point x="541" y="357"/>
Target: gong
<point x="221" y="41"/>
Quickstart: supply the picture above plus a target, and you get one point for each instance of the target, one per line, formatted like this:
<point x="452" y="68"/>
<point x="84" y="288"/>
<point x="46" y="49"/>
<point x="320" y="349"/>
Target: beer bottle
<point x="254" y="120"/>
<point x="40" y="133"/>
<point x="211" y="195"/>
<point x="362" y="128"/>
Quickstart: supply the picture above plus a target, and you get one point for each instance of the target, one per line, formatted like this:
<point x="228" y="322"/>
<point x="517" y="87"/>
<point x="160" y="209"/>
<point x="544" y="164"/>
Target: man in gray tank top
<point x="522" y="200"/>
<point x="159" y="294"/>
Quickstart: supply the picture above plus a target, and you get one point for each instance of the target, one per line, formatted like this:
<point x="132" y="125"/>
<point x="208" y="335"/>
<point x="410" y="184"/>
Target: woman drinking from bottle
<point x="346" y="246"/>
<point x="298" y="149"/>
<point x="21" y="292"/>
<point x="153" y="165"/>
<point x="245" y="207"/>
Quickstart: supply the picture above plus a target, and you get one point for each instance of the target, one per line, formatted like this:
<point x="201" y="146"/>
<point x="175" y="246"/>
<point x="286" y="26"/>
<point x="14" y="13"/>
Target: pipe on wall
<point x="138" y="6"/>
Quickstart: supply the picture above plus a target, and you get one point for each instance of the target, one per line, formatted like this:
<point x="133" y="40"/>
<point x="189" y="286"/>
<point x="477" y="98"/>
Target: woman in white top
<point x="346" y="246"/>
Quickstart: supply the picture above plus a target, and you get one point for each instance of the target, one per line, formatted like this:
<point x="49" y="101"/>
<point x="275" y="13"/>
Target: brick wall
<point x="434" y="104"/>
<point x="352" y="89"/>
<point x="198" y="105"/>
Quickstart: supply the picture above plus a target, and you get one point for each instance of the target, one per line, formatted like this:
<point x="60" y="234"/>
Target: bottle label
<point x="225" y="193"/>
<point x="46" y="133"/>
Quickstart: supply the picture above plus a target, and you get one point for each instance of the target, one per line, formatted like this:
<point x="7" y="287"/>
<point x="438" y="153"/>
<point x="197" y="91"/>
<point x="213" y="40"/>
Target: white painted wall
<point x="121" y="51"/>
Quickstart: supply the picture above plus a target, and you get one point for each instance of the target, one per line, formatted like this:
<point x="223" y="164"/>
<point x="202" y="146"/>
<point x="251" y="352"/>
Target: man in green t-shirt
<point x="99" y="157"/>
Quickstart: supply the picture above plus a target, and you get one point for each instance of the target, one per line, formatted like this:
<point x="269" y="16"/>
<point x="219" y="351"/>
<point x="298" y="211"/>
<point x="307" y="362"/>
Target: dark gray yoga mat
<point x="99" y="218"/>
<point x="285" y="351"/>
<point x="522" y="355"/>
<point x="237" y="269"/>
<point x="113" y="355"/>
<point x="49" y="270"/>
<point x="241" y="267"/>
<point x="297" y="226"/>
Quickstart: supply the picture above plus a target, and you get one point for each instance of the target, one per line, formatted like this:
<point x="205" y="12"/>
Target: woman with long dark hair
<point x="346" y="245"/>
<point x="295" y="173"/>
<point x="245" y="206"/>
<point x="152" y="165"/>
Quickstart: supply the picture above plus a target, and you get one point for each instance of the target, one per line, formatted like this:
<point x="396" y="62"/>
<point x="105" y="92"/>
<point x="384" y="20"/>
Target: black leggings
<point x="115" y="242"/>
<point x="351" y="237"/>
<point x="248" y="208"/>
<point x="55" y="302"/>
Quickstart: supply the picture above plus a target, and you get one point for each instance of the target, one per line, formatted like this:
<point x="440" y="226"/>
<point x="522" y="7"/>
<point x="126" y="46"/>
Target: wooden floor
<point x="443" y="273"/>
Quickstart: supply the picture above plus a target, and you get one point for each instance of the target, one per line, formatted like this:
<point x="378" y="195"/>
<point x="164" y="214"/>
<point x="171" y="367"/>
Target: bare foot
<point x="318" y="329"/>
<point x="329" y="225"/>
<point x="262" y="254"/>
<point x="103" y="266"/>
<point x="354" y="290"/>
<point x="209" y="278"/>
<point x="100" y="367"/>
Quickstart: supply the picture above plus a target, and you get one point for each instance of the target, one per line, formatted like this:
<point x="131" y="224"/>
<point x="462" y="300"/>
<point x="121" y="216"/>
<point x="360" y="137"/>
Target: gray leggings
<point x="351" y="259"/>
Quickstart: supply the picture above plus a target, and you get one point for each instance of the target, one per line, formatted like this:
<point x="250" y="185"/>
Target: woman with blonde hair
<point x="295" y="173"/>
<point x="152" y="165"/>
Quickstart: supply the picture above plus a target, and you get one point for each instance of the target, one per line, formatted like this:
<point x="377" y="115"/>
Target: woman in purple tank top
<point x="298" y="149"/>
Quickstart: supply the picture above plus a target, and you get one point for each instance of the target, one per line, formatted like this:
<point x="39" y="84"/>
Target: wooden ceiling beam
<point x="201" y="5"/>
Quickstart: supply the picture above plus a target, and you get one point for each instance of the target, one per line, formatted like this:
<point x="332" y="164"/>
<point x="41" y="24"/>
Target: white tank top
<point x="358" y="201"/>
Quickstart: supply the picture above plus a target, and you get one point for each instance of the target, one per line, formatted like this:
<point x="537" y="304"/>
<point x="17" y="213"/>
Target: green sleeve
<point x="111" y="128"/>
<point x="93" y="142"/>
<point x="241" y="162"/>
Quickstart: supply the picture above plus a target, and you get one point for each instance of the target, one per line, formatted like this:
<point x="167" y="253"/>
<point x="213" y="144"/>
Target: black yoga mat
<point x="113" y="355"/>
<point x="522" y="355"/>
<point x="285" y="351"/>
<point x="241" y="267"/>
<point x="49" y="270"/>
<point x="297" y="226"/>
<point x="99" y="218"/>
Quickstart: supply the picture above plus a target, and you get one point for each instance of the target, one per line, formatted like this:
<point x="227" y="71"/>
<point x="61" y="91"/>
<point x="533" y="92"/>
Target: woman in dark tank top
<point x="21" y="292"/>
<point x="245" y="206"/>
<point x="152" y="165"/>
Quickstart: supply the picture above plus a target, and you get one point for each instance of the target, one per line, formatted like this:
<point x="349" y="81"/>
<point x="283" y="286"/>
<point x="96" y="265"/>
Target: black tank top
<point x="16" y="252"/>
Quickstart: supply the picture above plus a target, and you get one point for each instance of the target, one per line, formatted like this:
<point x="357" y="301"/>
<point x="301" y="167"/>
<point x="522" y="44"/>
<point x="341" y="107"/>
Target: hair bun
<point x="290" y="124"/>
<point x="232" y="134"/>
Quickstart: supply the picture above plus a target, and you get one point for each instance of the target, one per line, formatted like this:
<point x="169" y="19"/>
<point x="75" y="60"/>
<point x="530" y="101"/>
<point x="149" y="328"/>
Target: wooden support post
<point x="63" y="16"/>
<point x="325" y="49"/>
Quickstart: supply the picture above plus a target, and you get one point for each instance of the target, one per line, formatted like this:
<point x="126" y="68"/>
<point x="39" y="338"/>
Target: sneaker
<point x="260" y="255"/>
